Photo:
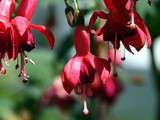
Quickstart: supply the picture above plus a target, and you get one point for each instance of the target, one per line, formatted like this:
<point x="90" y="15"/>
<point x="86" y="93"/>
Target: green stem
<point x="66" y="2"/>
<point x="76" y="6"/>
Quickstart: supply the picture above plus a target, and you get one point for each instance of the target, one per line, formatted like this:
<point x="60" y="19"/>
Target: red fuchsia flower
<point x="107" y="91"/>
<point x="7" y="8"/>
<point x="123" y="24"/>
<point x="56" y="95"/>
<point x="80" y="71"/>
<point x="22" y="37"/>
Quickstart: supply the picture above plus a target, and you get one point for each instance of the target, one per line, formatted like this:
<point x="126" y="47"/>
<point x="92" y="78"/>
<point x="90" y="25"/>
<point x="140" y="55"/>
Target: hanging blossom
<point x="80" y="71"/>
<point x="123" y="24"/>
<point x="7" y="8"/>
<point x="107" y="91"/>
<point x="22" y="38"/>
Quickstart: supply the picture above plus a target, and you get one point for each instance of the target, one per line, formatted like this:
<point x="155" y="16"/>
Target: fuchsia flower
<point x="56" y="95"/>
<point x="7" y="8"/>
<point x="108" y="90"/>
<point x="123" y="24"/>
<point x="21" y="35"/>
<point x="80" y="71"/>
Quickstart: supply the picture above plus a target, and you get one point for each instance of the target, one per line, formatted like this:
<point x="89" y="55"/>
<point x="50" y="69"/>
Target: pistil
<point x="85" y="107"/>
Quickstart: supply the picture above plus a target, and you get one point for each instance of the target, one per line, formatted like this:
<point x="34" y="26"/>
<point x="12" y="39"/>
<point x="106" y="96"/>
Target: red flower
<point x="80" y="71"/>
<point x="123" y="24"/>
<point x="108" y="90"/>
<point x="22" y="37"/>
<point x="7" y="8"/>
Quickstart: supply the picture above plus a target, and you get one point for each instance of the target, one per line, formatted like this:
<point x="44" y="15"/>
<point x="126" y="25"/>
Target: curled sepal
<point x="48" y="34"/>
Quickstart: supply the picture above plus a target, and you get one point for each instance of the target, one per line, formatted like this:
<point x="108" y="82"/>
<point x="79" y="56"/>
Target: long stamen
<point x="124" y="55"/>
<point x="23" y="72"/>
<point x="85" y="108"/>
<point x="17" y="65"/>
<point x="108" y="48"/>
<point x="27" y="60"/>
<point x="115" y="56"/>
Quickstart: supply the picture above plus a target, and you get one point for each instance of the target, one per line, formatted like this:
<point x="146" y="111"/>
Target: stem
<point x="66" y="2"/>
<point x="76" y="7"/>
<point x="85" y="108"/>
<point x="115" y="56"/>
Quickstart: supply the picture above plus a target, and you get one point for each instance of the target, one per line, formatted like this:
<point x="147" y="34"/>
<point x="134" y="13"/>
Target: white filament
<point x="85" y="108"/>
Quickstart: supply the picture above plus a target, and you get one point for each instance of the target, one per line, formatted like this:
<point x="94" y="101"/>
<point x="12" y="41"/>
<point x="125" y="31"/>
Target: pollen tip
<point x="25" y="81"/>
<point x="85" y="111"/>
<point x="85" y="108"/>
<point x="17" y="66"/>
<point x="123" y="58"/>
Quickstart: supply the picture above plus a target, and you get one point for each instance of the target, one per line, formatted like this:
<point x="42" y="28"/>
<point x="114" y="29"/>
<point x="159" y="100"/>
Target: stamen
<point x="85" y="108"/>
<point x="108" y="48"/>
<point x="17" y="65"/>
<point x="27" y="60"/>
<point x="115" y="56"/>
<point x="23" y="71"/>
<point x="124" y="55"/>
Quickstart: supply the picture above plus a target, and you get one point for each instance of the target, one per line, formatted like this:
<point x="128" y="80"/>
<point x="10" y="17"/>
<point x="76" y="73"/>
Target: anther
<point x="3" y="71"/>
<point x="29" y="60"/>
<point x="123" y="58"/>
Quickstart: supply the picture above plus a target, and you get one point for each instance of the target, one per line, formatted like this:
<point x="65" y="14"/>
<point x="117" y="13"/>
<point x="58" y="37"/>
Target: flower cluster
<point x="88" y="74"/>
<point x="16" y="37"/>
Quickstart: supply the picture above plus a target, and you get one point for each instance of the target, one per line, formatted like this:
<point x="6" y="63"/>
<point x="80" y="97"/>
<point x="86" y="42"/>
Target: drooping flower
<point x="7" y="8"/>
<point x="107" y="91"/>
<point x="22" y="37"/>
<point x="56" y="95"/>
<point x="80" y="71"/>
<point x="123" y="24"/>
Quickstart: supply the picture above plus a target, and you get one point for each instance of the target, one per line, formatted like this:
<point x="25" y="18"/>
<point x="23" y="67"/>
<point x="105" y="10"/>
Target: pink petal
<point x="102" y="68"/>
<point x="137" y="40"/>
<point x="44" y="30"/>
<point x="139" y="21"/>
<point x="21" y="24"/>
<point x="71" y="74"/>
<point x="26" y="8"/>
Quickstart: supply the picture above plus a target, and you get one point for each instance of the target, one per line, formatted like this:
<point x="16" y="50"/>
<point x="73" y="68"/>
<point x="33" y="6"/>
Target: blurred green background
<point x="140" y="73"/>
